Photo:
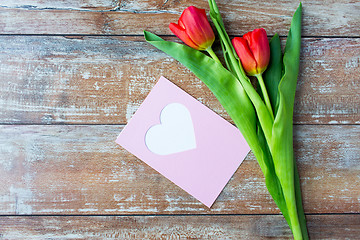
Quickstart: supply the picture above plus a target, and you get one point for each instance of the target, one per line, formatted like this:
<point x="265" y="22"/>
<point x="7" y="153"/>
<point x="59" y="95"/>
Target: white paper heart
<point x="174" y="134"/>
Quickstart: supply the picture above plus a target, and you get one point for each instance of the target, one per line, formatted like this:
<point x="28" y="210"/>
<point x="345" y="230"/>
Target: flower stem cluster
<point x="264" y="117"/>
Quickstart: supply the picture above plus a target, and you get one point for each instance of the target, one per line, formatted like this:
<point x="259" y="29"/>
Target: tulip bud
<point x="254" y="51"/>
<point x="194" y="29"/>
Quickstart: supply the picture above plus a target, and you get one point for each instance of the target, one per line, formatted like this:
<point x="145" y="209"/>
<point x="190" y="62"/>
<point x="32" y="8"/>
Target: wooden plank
<point x="103" y="80"/>
<point x="89" y="5"/>
<point x="334" y="18"/>
<point x="175" y="227"/>
<point x="80" y="170"/>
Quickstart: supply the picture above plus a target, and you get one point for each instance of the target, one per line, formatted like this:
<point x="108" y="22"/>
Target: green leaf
<point x="299" y="205"/>
<point x="281" y="144"/>
<point x="273" y="73"/>
<point x="271" y="180"/>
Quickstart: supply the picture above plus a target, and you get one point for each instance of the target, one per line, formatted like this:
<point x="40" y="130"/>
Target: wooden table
<point x="73" y="72"/>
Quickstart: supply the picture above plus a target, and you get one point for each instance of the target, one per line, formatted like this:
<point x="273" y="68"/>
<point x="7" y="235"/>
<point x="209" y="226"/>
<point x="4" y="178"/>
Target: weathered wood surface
<point x="321" y="18"/>
<point x="80" y="170"/>
<point x="103" y="80"/>
<point x="170" y="227"/>
<point x="61" y="63"/>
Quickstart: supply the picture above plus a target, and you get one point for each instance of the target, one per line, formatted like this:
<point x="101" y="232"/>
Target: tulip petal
<point x="180" y="33"/>
<point x="197" y="27"/>
<point x="246" y="57"/>
<point x="181" y="24"/>
<point x="259" y="46"/>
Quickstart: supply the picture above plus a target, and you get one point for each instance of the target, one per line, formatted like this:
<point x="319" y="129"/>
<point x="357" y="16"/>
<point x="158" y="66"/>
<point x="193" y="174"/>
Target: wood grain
<point x="330" y="18"/>
<point x="103" y="80"/>
<point x="40" y="5"/>
<point x="85" y="62"/>
<point x="80" y="170"/>
<point x="179" y="227"/>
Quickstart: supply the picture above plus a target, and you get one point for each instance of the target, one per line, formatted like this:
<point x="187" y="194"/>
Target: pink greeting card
<point x="185" y="141"/>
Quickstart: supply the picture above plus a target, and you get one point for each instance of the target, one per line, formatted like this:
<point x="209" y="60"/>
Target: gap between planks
<point x="160" y="35"/>
<point x="173" y="215"/>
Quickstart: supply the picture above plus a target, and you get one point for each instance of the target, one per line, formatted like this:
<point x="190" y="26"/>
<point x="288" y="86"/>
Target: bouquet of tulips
<point x="264" y="114"/>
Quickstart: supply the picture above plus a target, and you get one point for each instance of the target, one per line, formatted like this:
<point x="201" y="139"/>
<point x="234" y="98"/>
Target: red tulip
<point x="194" y="29"/>
<point x="254" y="51"/>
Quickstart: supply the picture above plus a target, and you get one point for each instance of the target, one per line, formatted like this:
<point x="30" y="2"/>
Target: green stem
<point x="226" y="41"/>
<point x="293" y="214"/>
<point x="299" y="206"/>
<point x="265" y="94"/>
<point x="212" y="54"/>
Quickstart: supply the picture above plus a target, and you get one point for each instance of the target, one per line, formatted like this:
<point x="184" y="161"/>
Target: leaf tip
<point x="146" y="33"/>
<point x="276" y="35"/>
<point x="299" y="9"/>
